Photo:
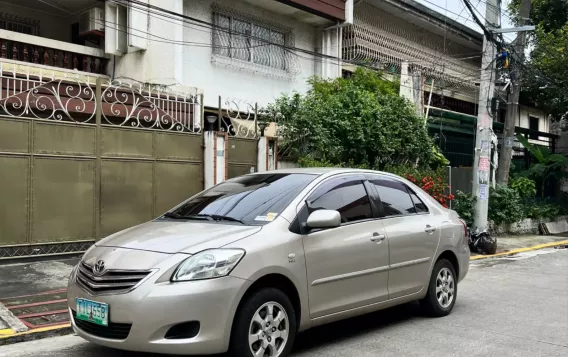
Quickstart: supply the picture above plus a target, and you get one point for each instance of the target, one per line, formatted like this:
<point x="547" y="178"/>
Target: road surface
<point x="506" y="307"/>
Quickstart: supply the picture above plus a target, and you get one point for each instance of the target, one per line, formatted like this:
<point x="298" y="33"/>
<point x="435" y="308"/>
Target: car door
<point x="412" y="232"/>
<point x="347" y="266"/>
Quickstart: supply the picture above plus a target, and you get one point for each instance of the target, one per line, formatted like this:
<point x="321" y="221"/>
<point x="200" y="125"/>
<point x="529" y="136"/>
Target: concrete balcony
<point x="28" y="50"/>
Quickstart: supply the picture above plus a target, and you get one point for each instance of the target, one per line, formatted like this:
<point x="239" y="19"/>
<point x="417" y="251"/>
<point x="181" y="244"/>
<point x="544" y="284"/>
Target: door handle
<point x="429" y="229"/>
<point x="378" y="238"/>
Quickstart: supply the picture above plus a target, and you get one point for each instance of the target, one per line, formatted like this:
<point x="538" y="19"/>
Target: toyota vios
<point x="247" y="264"/>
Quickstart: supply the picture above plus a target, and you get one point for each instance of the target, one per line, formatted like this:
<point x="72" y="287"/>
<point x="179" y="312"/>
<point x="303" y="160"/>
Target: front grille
<point x="113" y="331"/>
<point x="112" y="281"/>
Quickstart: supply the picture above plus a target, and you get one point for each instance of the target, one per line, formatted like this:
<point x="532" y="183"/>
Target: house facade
<point x="111" y="112"/>
<point x="437" y="60"/>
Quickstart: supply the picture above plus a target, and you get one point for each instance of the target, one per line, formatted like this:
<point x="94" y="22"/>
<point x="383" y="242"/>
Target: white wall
<point x="162" y="63"/>
<point x="215" y="80"/>
<point x="543" y="122"/>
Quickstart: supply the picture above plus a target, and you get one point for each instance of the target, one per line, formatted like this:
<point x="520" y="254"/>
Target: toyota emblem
<point x="99" y="268"/>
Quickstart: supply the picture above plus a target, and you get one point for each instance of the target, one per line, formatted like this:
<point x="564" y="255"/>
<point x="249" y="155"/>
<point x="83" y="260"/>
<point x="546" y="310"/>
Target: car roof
<point x="318" y="171"/>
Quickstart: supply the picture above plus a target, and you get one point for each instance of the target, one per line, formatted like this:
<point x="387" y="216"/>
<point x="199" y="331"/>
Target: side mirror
<point x="324" y="219"/>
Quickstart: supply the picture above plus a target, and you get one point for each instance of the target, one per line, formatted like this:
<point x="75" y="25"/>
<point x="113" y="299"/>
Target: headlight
<point x="208" y="264"/>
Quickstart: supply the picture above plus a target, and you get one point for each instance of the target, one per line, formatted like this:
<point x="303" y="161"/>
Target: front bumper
<point x="152" y="308"/>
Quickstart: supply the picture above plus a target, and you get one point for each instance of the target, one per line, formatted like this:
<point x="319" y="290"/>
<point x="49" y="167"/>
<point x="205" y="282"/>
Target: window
<point x="347" y="196"/>
<point x="419" y="206"/>
<point x="253" y="199"/>
<point x="19" y="24"/>
<point x="394" y="197"/>
<point x="248" y="41"/>
<point x="533" y="127"/>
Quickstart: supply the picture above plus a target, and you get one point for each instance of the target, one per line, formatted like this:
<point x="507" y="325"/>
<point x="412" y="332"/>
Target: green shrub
<point x="525" y="187"/>
<point x="464" y="205"/>
<point x="505" y="205"/>
<point x="543" y="210"/>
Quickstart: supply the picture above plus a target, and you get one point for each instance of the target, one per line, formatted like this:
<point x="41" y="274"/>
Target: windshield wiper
<point x="219" y="217"/>
<point x="179" y="216"/>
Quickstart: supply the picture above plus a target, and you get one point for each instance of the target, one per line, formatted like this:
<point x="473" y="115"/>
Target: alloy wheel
<point x="269" y="330"/>
<point x="445" y="288"/>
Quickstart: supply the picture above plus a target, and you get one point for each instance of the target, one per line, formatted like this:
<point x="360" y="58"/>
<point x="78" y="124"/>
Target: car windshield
<point x="251" y="199"/>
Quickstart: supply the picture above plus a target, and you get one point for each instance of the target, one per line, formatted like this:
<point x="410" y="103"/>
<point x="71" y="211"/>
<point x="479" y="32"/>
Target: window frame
<point x="217" y="13"/>
<point x="379" y="201"/>
<point x="298" y="225"/>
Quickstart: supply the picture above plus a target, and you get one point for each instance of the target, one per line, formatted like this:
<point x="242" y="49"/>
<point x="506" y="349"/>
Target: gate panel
<point x="59" y="138"/>
<point x="124" y="142"/>
<point x="176" y="182"/>
<point x="179" y="146"/>
<point x="14" y="175"/>
<point x="126" y="194"/>
<point x="14" y="135"/>
<point x="242" y="156"/>
<point x="62" y="200"/>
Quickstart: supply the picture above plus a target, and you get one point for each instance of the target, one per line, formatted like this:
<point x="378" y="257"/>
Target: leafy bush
<point x="361" y="120"/>
<point x="505" y="205"/>
<point x="525" y="187"/>
<point x="464" y="205"/>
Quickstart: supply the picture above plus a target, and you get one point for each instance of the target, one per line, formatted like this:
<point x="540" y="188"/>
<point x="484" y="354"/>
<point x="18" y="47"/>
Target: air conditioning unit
<point x="92" y="20"/>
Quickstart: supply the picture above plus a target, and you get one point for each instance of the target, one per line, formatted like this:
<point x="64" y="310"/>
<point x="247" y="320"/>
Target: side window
<point x="348" y="197"/>
<point x="418" y="204"/>
<point x="394" y="196"/>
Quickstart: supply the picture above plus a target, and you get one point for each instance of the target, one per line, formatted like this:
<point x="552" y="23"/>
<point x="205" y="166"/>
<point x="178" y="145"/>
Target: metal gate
<point x="239" y="119"/>
<point x="80" y="160"/>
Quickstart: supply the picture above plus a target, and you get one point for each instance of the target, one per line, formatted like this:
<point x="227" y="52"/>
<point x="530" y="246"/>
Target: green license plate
<point x="92" y="311"/>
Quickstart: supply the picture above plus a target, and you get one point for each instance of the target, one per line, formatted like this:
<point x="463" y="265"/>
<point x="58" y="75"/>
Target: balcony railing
<point x="38" y="50"/>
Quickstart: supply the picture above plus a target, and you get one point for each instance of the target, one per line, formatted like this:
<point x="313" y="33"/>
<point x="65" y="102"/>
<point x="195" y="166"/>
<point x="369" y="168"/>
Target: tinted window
<point x="394" y="196"/>
<point x="348" y="197"/>
<point x="253" y="199"/>
<point x="418" y="204"/>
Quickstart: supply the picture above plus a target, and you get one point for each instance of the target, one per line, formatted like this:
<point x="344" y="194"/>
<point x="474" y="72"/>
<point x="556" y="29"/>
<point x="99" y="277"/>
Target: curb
<point x="36" y="334"/>
<point x="520" y="250"/>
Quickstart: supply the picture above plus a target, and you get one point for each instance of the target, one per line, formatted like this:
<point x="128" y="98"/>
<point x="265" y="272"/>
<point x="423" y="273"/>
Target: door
<point x="347" y="266"/>
<point x="412" y="233"/>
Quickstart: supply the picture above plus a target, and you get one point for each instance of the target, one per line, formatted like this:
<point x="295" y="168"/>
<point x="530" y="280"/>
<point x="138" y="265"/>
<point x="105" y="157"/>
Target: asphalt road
<point x="506" y="307"/>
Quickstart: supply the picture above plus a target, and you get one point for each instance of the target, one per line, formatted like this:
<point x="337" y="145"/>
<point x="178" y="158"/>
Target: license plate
<point x="92" y="311"/>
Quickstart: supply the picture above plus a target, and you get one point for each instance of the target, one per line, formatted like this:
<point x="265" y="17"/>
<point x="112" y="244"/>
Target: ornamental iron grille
<point x="239" y="118"/>
<point x="385" y="41"/>
<point x="71" y="97"/>
<point x="244" y="42"/>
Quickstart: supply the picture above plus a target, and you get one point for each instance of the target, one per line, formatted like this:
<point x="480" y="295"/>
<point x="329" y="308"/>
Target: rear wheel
<point x="442" y="290"/>
<point x="265" y="325"/>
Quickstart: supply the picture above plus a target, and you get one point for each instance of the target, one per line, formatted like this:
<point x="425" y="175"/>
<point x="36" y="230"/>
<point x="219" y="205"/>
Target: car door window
<point x="348" y="197"/>
<point x="419" y="206"/>
<point x="394" y="197"/>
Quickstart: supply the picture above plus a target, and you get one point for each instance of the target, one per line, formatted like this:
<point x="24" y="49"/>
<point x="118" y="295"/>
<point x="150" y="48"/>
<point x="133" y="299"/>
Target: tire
<point x="438" y="303"/>
<point x="276" y="337"/>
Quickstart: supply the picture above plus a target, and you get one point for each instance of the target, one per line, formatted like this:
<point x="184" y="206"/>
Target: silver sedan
<point x="247" y="264"/>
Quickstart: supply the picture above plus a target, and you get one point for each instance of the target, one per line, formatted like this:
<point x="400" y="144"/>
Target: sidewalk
<point x="33" y="302"/>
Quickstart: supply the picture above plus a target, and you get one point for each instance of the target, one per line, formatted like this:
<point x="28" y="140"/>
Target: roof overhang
<point x="431" y="20"/>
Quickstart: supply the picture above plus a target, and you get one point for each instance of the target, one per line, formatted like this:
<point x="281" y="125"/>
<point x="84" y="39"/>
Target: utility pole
<point x="513" y="99"/>
<point x="482" y="162"/>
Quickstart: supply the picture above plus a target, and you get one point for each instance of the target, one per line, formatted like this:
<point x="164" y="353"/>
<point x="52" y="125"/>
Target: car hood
<point x="178" y="236"/>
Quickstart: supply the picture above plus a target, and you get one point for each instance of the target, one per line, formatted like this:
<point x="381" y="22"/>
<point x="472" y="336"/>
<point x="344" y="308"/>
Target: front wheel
<point x="442" y="290"/>
<point x="265" y="325"/>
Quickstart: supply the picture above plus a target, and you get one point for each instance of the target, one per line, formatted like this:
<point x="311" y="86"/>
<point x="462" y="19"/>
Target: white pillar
<point x="262" y="154"/>
<point x="406" y="88"/>
<point x="220" y="159"/>
<point x="209" y="159"/>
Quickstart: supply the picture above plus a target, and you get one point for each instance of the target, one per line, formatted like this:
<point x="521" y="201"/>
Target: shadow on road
<point x="314" y="338"/>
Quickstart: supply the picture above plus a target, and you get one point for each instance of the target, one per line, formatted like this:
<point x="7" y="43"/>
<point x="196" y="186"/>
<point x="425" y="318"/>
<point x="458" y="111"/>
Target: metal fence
<point x="82" y="160"/>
